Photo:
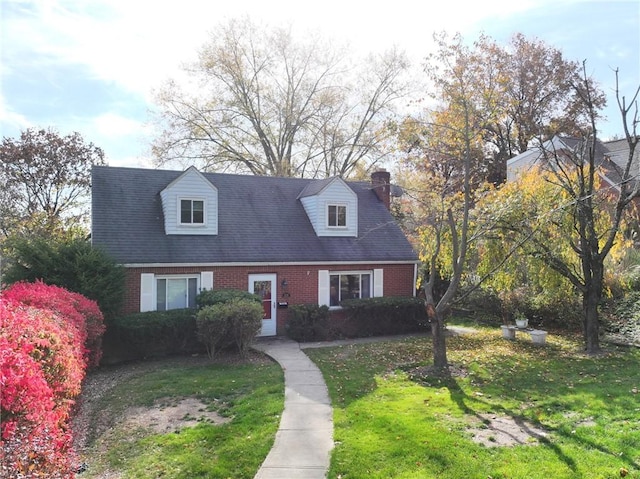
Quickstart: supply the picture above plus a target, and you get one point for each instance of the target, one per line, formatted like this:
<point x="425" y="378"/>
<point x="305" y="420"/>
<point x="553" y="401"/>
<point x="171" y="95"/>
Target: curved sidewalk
<point x="304" y="439"/>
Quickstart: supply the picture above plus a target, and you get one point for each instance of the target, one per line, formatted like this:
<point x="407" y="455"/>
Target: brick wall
<point x="302" y="282"/>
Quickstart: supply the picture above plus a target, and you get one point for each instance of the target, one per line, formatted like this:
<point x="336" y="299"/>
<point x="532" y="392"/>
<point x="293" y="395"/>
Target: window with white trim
<point x="349" y="285"/>
<point x="176" y="292"/>
<point x="337" y="216"/>
<point x="191" y="211"/>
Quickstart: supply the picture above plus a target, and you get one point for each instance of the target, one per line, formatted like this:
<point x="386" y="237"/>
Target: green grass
<point x="251" y="394"/>
<point x="392" y="423"/>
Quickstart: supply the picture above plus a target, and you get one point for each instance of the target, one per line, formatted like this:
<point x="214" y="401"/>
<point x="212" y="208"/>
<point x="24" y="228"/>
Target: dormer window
<point x="337" y="216"/>
<point x="332" y="207"/>
<point x="191" y="211"/>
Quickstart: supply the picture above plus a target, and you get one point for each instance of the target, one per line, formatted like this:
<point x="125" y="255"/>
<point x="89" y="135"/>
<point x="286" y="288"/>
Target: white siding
<point x="310" y="204"/>
<point x="190" y="185"/>
<point x="336" y="193"/>
<point x="521" y="164"/>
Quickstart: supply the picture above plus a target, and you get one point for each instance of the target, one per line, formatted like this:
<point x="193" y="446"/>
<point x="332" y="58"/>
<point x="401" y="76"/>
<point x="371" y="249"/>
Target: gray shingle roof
<point x="260" y="220"/>
<point x="611" y="156"/>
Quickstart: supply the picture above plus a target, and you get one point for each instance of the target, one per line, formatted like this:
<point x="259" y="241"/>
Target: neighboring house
<point x="611" y="158"/>
<point x="290" y="240"/>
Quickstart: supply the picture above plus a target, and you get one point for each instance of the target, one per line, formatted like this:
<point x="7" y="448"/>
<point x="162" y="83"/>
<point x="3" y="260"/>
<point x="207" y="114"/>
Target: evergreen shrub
<point x="386" y="315"/>
<point x="233" y="323"/>
<point x="209" y="297"/>
<point x="152" y="334"/>
<point x="308" y="322"/>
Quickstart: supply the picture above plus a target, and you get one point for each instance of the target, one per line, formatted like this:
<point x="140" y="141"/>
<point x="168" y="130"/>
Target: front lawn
<point x="248" y="398"/>
<point x="395" y="420"/>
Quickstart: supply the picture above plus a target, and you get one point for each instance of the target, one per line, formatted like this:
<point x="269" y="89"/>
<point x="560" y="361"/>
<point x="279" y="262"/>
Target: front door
<point x="264" y="285"/>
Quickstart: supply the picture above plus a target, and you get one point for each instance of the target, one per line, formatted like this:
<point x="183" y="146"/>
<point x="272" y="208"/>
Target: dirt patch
<point x="171" y="416"/>
<point x="492" y="430"/>
<point x="91" y="421"/>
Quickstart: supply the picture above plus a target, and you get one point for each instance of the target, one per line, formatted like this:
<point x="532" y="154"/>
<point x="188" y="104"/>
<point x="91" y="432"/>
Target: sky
<point x="93" y="66"/>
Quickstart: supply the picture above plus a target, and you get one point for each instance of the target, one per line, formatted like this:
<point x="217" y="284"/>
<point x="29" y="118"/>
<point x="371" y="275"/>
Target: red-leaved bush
<point x="79" y="311"/>
<point x="41" y="371"/>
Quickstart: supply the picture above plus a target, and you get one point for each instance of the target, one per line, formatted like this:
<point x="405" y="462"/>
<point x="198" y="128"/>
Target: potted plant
<point x="521" y="320"/>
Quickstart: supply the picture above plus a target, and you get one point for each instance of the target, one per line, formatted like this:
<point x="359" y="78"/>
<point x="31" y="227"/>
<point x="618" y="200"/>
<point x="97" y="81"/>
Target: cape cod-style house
<point x="291" y="240"/>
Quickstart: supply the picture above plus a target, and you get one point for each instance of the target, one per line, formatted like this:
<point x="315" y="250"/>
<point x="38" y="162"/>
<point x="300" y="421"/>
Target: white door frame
<point x="268" y="325"/>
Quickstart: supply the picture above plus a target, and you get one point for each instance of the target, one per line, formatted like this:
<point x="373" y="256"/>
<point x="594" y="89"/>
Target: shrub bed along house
<point x="164" y="333"/>
<point x="357" y="318"/>
<point x="43" y="357"/>
<point x="151" y="334"/>
<point x="308" y="322"/>
<point x="386" y="315"/>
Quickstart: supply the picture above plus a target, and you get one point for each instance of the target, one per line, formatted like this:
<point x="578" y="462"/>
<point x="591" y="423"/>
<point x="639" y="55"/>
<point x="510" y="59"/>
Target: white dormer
<point x="332" y="207"/>
<point x="190" y="205"/>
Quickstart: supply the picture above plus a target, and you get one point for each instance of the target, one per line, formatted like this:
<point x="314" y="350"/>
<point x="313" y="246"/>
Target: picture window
<point x="348" y="286"/>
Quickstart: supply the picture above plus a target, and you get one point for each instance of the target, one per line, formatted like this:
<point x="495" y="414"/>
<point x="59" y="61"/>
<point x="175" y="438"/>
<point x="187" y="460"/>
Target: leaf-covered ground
<point x="394" y="419"/>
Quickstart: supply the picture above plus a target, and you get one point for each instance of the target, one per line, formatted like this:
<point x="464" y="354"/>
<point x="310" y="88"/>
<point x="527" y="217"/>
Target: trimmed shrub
<point x="231" y="323"/>
<point x="308" y="322"/>
<point x="209" y="297"/>
<point x="78" y="311"/>
<point x="151" y="334"/>
<point x="41" y="372"/>
<point x="386" y="315"/>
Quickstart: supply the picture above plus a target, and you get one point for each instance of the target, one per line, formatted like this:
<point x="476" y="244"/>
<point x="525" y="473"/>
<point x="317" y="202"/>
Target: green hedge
<point x="386" y="315"/>
<point x="151" y="334"/>
<point x="308" y="322"/>
<point x="210" y="297"/>
<point x="233" y="323"/>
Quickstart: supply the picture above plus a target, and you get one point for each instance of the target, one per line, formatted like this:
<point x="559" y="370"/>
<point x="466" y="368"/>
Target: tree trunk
<point x="438" y="334"/>
<point x="591" y="321"/>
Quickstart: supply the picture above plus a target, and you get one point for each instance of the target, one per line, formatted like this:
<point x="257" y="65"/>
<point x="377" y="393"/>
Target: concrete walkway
<point x="305" y="438"/>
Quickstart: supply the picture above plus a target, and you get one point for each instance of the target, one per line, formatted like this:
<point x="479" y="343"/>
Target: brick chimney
<point x="381" y="183"/>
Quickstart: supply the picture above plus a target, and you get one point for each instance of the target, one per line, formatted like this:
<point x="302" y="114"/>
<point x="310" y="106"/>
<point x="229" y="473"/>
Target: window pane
<point x="185" y="211"/>
<point x="263" y="289"/>
<point x="334" y="290"/>
<point x="332" y="216"/>
<point x="176" y="293"/>
<point x="342" y="216"/>
<point x="161" y="293"/>
<point x="366" y="285"/>
<point x="198" y="212"/>
<point x="193" y="292"/>
<point x="349" y="286"/>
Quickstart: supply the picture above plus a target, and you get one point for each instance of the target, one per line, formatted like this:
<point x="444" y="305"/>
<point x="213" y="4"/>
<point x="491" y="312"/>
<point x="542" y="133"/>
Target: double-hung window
<point x="337" y="216"/>
<point x="191" y="211"/>
<point x="349" y="285"/>
<point x="176" y="292"/>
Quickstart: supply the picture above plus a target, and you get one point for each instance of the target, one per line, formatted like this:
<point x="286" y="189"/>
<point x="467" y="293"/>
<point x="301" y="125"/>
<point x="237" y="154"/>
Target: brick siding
<point x="302" y="282"/>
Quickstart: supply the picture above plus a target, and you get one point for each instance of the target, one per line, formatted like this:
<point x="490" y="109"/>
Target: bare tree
<point x="267" y="104"/>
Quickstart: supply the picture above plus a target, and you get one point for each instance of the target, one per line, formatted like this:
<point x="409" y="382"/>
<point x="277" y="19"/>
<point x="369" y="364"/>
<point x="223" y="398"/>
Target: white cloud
<point x="135" y="46"/>
<point x="12" y="122"/>
<point x="138" y="45"/>
<point x="115" y="125"/>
